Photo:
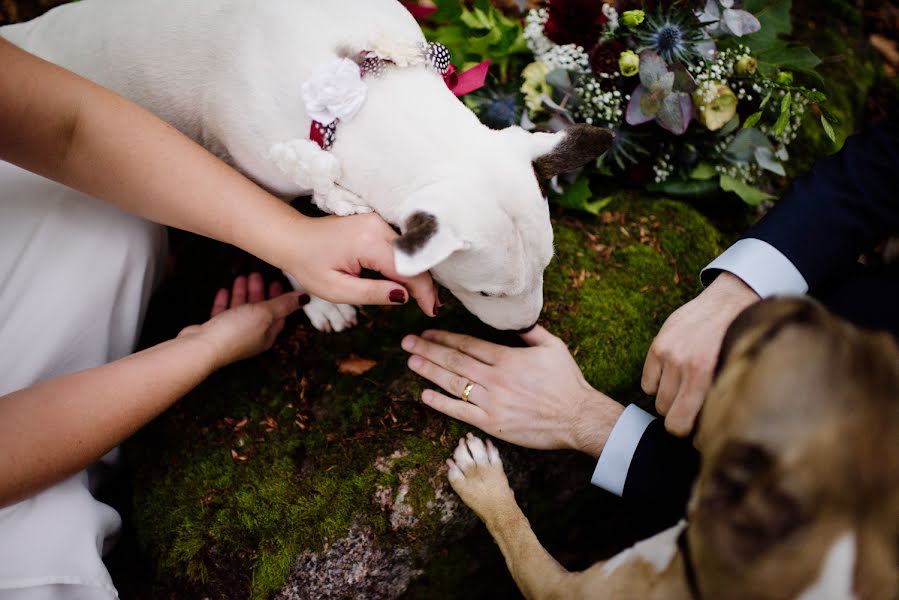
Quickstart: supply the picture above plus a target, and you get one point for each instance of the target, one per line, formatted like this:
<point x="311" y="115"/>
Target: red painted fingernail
<point x="440" y="301"/>
<point x="397" y="296"/>
<point x="436" y="309"/>
<point x="303" y="299"/>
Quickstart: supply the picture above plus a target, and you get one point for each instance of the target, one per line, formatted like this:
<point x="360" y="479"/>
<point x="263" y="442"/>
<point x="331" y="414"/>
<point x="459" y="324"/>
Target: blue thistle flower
<point x="672" y="34"/>
<point x="497" y="108"/>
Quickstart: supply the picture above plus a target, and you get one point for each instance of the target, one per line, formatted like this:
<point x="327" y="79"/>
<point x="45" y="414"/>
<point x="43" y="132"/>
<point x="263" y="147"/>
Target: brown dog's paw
<point x="476" y="473"/>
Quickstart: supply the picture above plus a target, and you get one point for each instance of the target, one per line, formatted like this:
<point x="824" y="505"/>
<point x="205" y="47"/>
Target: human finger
<point x="454" y="473"/>
<point x="275" y="289"/>
<point x="446" y="357"/>
<point x="485" y="352"/>
<point x="454" y="408"/>
<point x="451" y="382"/>
<point x="286" y="304"/>
<point x="493" y="453"/>
<point x="652" y="372"/>
<point x="682" y="415"/>
<point x="220" y="302"/>
<point x="350" y="289"/>
<point x="239" y="291"/>
<point x="668" y="386"/>
<point x="255" y="288"/>
<point x="538" y="336"/>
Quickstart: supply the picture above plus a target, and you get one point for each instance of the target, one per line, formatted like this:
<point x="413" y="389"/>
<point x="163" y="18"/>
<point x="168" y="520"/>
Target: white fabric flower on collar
<point x="401" y="53"/>
<point x="335" y="91"/>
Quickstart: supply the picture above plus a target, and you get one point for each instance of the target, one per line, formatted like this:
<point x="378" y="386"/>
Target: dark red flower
<point x="604" y="58"/>
<point x="575" y="22"/>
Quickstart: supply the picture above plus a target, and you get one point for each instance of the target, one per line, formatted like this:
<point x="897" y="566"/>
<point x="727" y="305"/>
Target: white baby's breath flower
<point x="401" y="53"/>
<point x="335" y="91"/>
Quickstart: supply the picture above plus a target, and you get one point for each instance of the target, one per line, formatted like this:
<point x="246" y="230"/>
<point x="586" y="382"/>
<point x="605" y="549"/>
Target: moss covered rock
<point x="275" y="471"/>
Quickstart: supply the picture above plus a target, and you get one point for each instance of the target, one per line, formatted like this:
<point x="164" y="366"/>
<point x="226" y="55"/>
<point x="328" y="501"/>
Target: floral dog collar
<point x="336" y="90"/>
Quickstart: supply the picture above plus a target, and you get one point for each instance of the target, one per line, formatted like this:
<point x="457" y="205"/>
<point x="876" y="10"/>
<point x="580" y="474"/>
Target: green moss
<point x="278" y="455"/>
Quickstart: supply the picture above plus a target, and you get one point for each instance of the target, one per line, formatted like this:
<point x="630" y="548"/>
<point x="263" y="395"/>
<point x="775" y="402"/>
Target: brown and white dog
<point x="798" y="494"/>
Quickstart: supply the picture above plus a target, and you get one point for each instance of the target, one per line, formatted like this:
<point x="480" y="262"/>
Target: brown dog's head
<point x="800" y="480"/>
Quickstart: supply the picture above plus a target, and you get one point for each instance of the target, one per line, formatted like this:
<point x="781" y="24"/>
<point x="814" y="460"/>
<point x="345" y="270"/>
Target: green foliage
<point x="748" y="194"/>
<point x="475" y="34"/>
<point x="578" y="196"/>
<point x="768" y="47"/>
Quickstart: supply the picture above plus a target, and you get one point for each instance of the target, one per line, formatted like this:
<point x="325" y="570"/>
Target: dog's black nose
<point x="525" y="330"/>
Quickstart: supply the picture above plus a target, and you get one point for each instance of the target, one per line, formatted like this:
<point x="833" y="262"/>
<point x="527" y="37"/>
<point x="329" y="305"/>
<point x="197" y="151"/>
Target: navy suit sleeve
<point x="842" y="208"/>
<point x="662" y="472"/>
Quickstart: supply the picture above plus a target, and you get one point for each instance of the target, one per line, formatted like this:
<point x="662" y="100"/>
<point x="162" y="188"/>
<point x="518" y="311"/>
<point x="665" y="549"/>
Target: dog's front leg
<point x="308" y="166"/>
<point x="476" y="473"/>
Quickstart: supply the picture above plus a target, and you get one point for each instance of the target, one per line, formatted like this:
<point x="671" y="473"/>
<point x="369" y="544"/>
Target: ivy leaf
<point x="784" y="118"/>
<point x="828" y="129"/>
<point x="750" y="195"/>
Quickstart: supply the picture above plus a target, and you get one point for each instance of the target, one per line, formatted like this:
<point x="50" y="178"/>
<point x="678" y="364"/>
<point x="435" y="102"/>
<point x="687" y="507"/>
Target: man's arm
<point x="842" y="208"/>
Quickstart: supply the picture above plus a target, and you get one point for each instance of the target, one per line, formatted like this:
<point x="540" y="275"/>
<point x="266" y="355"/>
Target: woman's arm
<point x="68" y="129"/>
<point x="54" y="429"/>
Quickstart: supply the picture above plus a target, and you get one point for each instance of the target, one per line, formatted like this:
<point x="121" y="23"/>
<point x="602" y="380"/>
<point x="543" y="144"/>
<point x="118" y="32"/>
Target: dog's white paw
<point x="340" y="202"/>
<point x="476" y="473"/>
<point x="326" y="316"/>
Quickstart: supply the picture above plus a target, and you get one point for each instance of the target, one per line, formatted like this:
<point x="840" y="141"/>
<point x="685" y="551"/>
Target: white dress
<point x="75" y="278"/>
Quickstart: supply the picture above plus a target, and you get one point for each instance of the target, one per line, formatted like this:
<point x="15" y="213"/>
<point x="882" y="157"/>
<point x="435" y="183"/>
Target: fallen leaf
<point x="355" y="365"/>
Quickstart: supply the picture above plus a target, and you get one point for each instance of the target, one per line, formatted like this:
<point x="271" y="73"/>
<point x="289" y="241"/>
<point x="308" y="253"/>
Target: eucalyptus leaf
<point x="742" y="148"/>
<point x="748" y="194"/>
<point x="686" y="189"/>
<point x="766" y="160"/>
<point x="730" y="126"/>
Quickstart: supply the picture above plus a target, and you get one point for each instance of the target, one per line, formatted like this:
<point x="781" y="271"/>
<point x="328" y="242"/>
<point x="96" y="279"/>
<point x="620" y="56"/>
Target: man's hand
<point x="534" y="397"/>
<point x="679" y="365"/>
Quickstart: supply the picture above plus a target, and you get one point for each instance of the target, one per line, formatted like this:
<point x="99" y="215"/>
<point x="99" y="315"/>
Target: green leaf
<point x="689" y="188"/>
<point x="577" y="196"/>
<point x="784" y="118"/>
<point x="476" y="19"/>
<point x="774" y="17"/>
<point x="703" y="171"/>
<point x="752" y="120"/>
<point x="750" y="195"/>
<point x="447" y="11"/>
<point x="828" y="129"/>
<point x="765" y="101"/>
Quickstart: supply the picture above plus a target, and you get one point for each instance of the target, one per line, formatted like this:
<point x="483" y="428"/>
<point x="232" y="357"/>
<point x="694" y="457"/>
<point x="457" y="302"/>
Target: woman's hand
<point x="335" y="250"/>
<point x="243" y="322"/>
<point x="534" y="397"/>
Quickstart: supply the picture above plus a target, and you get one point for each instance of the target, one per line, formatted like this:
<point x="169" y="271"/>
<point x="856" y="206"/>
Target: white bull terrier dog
<point x="343" y="99"/>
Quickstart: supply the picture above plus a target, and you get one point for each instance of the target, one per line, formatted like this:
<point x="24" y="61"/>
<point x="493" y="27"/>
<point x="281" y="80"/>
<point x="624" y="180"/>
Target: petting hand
<point x="340" y="247"/>
<point x="534" y="397"/>
<point x="679" y="365"/>
<point x="244" y="323"/>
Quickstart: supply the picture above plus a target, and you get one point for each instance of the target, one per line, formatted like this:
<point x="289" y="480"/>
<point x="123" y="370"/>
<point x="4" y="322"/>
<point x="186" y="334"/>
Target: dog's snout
<point x="525" y="329"/>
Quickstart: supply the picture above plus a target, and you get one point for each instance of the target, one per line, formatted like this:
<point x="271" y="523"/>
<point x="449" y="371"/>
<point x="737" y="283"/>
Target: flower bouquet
<point x="702" y="96"/>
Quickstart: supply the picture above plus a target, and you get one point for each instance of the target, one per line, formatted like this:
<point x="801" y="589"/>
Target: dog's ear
<point x="425" y="242"/>
<point x="569" y="150"/>
<point x="740" y="508"/>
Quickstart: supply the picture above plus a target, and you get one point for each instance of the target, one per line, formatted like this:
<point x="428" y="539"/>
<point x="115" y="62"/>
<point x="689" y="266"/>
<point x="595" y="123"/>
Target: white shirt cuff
<point x="615" y="459"/>
<point x="761" y="266"/>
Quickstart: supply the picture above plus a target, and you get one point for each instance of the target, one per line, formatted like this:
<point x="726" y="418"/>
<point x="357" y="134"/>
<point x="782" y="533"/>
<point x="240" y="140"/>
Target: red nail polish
<point x="440" y="301"/>
<point x="303" y="299"/>
<point x="436" y="309"/>
<point x="397" y="296"/>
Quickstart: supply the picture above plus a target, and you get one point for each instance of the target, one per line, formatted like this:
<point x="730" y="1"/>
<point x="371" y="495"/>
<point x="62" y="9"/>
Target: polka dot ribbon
<point x="437" y="57"/>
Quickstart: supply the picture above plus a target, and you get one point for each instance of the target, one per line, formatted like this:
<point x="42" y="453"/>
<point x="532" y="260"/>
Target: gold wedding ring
<point x="467" y="390"/>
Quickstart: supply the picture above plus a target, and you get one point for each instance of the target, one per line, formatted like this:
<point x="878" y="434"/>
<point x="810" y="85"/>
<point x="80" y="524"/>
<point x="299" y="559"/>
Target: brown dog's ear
<point x="742" y="510"/>
<point x="424" y="243"/>
<point x="579" y="145"/>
